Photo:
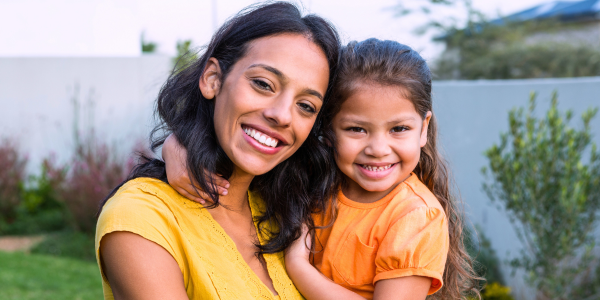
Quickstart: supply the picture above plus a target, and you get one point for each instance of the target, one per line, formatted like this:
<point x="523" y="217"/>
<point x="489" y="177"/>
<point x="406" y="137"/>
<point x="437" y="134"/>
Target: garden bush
<point x="92" y="174"/>
<point x="68" y="243"/>
<point x="546" y="175"/>
<point x="12" y="177"/>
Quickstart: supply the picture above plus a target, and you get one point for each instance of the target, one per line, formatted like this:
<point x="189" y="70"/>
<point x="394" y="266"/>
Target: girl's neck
<point x="237" y="193"/>
<point x="357" y="193"/>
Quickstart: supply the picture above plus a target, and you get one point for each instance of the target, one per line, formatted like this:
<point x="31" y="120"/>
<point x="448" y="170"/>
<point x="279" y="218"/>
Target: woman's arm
<point x="137" y="268"/>
<point x="175" y="157"/>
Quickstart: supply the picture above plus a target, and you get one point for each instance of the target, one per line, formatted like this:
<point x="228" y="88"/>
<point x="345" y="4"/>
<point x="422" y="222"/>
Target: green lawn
<point x="34" y="276"/>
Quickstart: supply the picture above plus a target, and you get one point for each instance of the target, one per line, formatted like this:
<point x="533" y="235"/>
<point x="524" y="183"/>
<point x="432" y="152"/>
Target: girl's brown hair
<point x="390" y="63"/>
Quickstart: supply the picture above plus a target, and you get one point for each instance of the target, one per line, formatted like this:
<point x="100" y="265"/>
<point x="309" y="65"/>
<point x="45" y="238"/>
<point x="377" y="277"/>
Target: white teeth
<point x="261" y="137"/>
<point x="377" y="169"/>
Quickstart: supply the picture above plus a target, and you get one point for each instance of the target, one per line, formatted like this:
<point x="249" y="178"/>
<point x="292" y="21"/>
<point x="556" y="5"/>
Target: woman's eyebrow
<point x="314" y="93"/>
<point x="275" y="72"/>
<point x="284" y="78"/>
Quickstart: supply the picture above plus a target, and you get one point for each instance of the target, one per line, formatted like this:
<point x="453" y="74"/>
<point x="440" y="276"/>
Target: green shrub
<point x="12" y="178"/>
<point x="546" y="175"/>
<point x="68" y="243"/>
<point x="39" y="209"/>
<point x="487" y="264"/>
<point x="496" y="291"/>
<point x="92" y="174"/>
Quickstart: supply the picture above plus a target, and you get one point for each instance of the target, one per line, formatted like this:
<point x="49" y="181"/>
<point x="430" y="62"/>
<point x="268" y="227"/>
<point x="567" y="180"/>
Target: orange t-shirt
<point x="403" y="234"/>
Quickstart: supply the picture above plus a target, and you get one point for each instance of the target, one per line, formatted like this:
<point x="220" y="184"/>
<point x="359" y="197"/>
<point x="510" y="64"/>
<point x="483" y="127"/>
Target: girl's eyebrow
<point x="360" y="122"/>
<point x="400" y="120"/>
<point x="284" y="78"/>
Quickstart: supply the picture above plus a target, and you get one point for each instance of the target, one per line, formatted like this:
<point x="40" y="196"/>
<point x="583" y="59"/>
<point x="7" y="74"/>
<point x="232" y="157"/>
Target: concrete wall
<point x="472" y="115"/>
<point x="41" y="97"/>
<point x="116" y="97"/>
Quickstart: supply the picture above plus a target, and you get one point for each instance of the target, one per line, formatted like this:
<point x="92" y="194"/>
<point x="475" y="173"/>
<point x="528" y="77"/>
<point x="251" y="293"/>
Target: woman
<point x="245" y="109"/>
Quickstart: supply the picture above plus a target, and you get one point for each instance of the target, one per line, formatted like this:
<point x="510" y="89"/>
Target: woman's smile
<point x="264" y="141"/>
<point x="268" y="103"/>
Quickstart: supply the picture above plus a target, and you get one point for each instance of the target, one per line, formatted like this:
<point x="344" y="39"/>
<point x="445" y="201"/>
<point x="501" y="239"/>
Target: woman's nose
<point x="280" y="111"/>
<point x="378" y="146"/>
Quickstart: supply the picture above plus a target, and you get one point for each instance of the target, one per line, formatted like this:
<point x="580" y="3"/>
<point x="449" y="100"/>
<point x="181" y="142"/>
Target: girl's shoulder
<point x="417" y="195"/>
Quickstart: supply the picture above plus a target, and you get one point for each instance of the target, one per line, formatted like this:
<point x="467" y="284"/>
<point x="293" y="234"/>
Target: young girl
<point x="397" y="231"/>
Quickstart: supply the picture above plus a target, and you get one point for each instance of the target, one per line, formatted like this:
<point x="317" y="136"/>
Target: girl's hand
<point x="175" y="157"/>
<point x="299" y="251"/>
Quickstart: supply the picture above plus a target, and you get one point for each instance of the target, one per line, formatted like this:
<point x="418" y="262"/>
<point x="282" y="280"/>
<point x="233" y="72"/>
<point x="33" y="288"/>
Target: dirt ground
<point x="19" y="243"/>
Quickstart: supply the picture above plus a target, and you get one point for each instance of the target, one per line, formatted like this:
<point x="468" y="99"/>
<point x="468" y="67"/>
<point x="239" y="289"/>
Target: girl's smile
<point x="379" y="136"/>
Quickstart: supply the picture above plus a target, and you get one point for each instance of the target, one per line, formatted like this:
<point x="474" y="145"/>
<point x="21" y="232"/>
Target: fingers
<point x="220" y="182"/>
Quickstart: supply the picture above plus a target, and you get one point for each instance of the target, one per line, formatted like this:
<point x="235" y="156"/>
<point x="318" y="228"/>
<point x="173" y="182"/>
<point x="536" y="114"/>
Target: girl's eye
<point x="262" y="85"/>
<point x="307" y="108"/>
<point x="356" y="129"/>
<point x="399" y="129"/>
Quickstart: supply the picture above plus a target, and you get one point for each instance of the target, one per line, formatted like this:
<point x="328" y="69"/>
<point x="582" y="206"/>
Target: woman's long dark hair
<point x="294" y="189"/>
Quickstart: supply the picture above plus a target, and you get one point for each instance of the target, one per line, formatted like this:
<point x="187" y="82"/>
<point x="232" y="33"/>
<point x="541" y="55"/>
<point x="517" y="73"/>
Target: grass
<point x="34" y="276"/>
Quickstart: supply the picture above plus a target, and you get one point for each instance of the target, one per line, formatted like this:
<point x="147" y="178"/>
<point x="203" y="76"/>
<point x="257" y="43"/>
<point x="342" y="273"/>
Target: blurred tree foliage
<point x="185" y="54"/>
<point x="546" y="175"/>
<point x="147" y="46"/>
<point x="489" y="51"/>
<point x="482" y="50"/>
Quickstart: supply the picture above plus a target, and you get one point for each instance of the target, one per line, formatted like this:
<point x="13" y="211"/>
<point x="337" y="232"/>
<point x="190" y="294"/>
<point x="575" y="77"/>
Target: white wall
<point x="473" y="113"/>
<point x="115" y="97"/>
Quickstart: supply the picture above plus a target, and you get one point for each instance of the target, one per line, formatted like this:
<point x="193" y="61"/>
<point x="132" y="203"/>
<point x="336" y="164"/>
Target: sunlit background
<point x="78" y="80"/>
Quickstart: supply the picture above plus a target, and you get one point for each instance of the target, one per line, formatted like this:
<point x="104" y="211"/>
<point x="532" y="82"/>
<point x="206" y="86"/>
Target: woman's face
<point x="268" y="103"/>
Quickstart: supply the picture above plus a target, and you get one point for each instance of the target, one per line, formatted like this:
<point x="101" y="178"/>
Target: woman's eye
<point x="356" y="129"/>
<point x="262" y="85"/>
<point x="399" y="129"/>
<point x="306" y="107"/>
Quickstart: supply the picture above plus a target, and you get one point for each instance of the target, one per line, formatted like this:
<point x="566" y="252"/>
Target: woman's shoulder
<point x="139" y="204"/>
<point x="142" y="191"/>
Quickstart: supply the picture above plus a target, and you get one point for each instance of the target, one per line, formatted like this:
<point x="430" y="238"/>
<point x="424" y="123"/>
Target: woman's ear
<point x="424" y="128"/>
<point x="210" y="81"/>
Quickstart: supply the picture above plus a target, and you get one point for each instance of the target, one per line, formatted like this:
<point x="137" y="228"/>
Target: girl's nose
<point x="378" y="147"/>
<point x="279" y="111"/>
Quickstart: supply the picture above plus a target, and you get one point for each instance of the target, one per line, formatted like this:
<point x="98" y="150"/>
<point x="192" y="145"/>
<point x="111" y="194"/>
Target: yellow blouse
<point x="211" y="265"/>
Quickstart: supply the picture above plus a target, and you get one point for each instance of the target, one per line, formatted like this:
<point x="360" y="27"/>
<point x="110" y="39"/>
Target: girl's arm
<point x="137" y="268"/>
<point x="175" y="157"/>
<point x="308" y="280"/>
<point x="405" y="288"/>
<point x="315" y="286"/>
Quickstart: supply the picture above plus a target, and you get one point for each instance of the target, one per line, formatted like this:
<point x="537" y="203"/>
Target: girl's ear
<point x="210" y="81"/>
<point x="426" y="120"/>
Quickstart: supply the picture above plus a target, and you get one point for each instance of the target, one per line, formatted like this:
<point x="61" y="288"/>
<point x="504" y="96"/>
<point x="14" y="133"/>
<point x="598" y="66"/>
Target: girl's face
<point x="379" y="136"/>
<point x="269" y="101"/>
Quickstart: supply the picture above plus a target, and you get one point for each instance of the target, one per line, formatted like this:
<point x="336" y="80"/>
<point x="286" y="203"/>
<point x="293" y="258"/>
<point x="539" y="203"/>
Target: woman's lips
<point x="377" y="171"/>
<point x="262" y="142"/>
<point x="261" y="137"/>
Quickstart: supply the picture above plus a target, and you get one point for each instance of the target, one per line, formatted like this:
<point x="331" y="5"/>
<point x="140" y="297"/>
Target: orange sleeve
<point x="415" y="245"/>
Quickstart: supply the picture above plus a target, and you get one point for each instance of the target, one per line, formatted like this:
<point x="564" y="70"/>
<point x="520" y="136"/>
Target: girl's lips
<point x="260" y="147"/>
<point x="369" y="170"/>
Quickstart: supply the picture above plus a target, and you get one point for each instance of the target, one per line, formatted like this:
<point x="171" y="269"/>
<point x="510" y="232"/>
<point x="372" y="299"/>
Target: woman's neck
<point x="237" y="193"/>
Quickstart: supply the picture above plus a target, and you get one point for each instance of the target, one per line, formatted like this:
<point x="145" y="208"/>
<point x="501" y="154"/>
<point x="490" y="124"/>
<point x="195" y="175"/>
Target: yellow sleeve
<point x="137" y="208"/>
<point x="415" y="245"/>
